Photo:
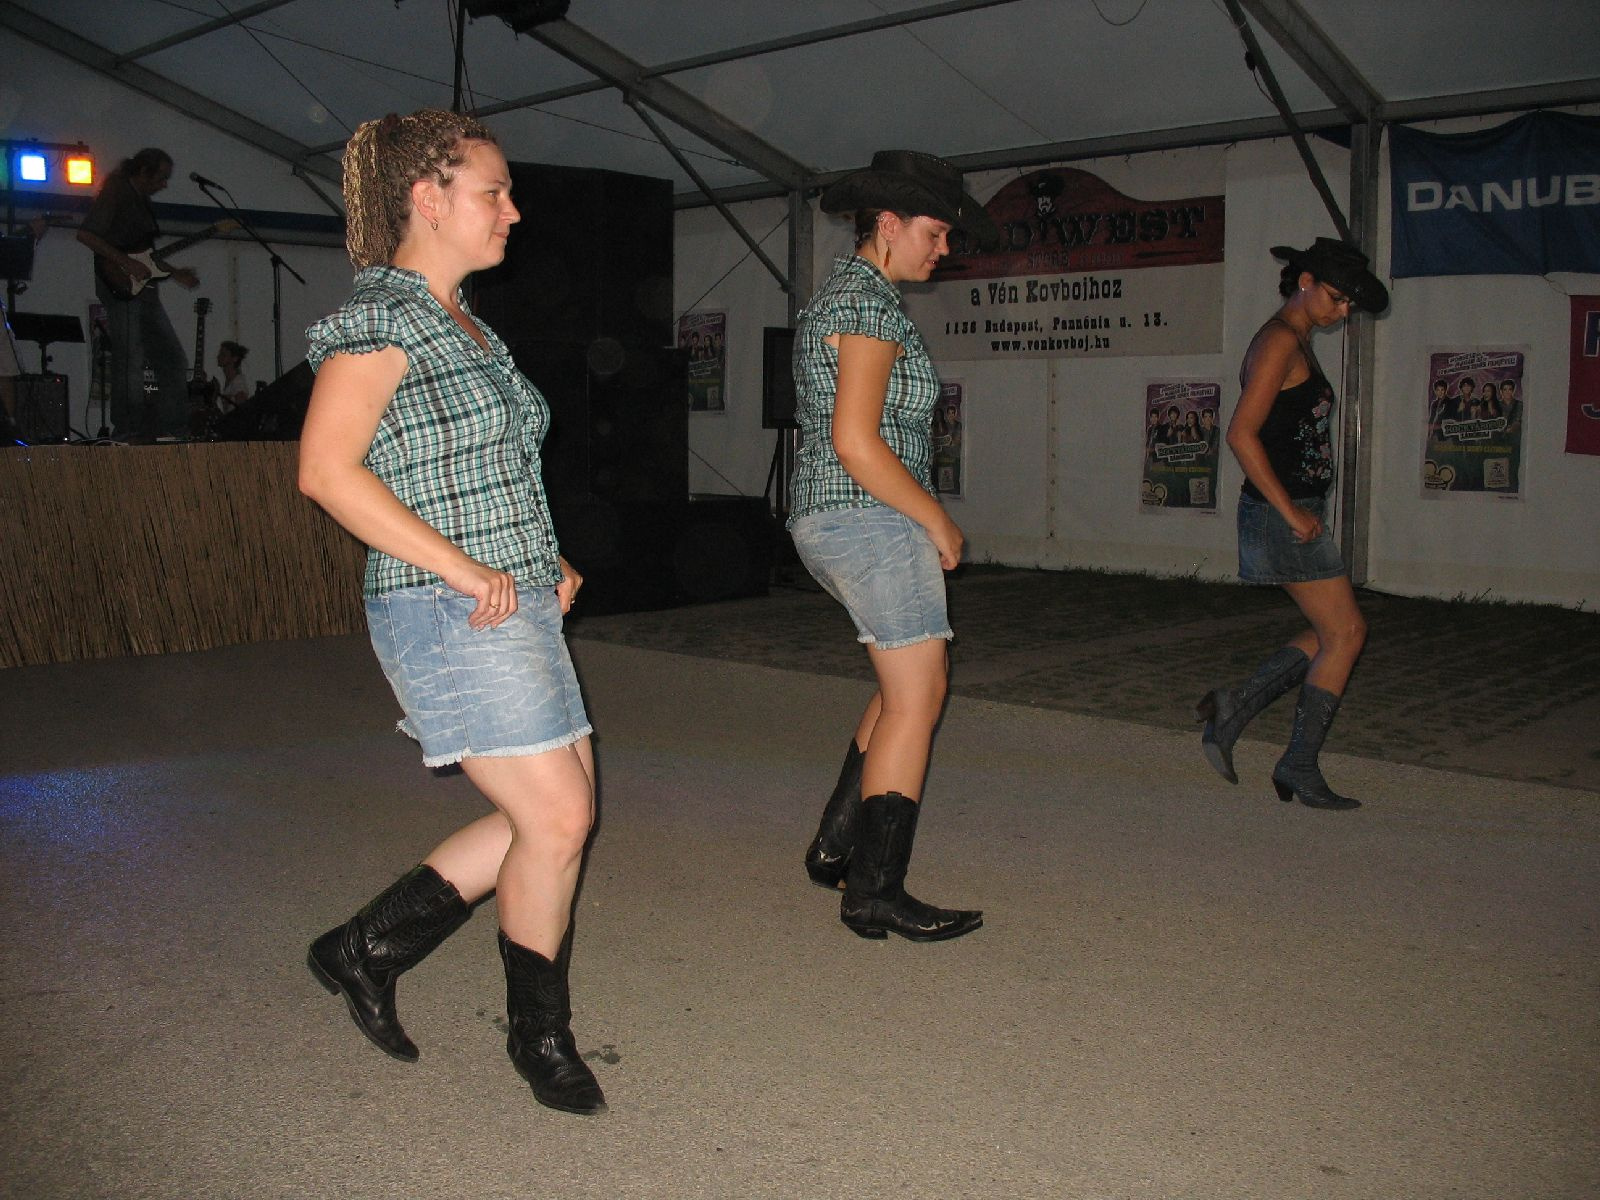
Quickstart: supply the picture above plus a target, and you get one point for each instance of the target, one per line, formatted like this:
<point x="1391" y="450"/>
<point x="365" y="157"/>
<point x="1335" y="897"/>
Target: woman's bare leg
<point x="1337" y="633"/>
<point x="911" y="692"/>
<point x="869" y="721"/>
<point x="547" y="801"/>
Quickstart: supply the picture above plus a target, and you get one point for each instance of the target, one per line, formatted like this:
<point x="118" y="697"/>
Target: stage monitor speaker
<point x="591" y="258"/>
<point x="777" y="377"/>
<point x="725" y="547"/>
<point x="275" y="413"/>
<point x="39" y="408"/>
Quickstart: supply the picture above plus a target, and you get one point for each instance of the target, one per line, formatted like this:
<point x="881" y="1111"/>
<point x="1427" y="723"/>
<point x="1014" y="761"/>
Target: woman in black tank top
<point x="1281" y="433"/>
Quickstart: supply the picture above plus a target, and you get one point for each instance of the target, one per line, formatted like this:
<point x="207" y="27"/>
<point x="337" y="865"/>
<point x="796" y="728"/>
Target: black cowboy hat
<point x="904" y="181"/>
<point x="1339" y="265"/>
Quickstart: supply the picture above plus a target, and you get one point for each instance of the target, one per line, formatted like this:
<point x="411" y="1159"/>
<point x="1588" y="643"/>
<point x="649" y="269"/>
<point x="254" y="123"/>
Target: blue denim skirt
<point x="882" y="566"/>
<point x="1269" y="552"/>
<point x="498" y="692"/>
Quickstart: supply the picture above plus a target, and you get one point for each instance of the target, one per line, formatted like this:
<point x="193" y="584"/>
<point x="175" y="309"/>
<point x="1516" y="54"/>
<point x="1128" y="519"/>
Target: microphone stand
<point x="278" y="265"/>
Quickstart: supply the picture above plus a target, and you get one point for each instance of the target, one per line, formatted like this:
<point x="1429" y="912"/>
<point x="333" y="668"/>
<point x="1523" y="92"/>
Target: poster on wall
<point x="703" y="335"/>
<point x="1583" y="378"/>
<point x="1475" y="412"/>
<point x="1182" y="444"/>
<point x="1083" y="269"/>
<point x="948" y="441"/>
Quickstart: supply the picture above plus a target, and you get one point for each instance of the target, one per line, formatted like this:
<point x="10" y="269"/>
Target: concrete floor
<point x="1183" y="990"/>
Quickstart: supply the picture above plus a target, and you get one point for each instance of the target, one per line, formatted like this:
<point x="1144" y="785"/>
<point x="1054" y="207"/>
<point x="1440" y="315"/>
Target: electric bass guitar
<point x="125" y="287"/>
<point x="202" y="392"/>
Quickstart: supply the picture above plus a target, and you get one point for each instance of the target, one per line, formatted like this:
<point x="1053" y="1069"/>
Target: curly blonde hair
<point x="383" y="159"/>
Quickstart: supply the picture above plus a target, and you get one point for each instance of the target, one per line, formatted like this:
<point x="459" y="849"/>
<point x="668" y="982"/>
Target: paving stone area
<point x="1502" y="690"/>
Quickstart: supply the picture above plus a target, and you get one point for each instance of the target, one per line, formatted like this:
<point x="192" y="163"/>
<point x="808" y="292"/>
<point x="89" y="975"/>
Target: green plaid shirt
<point x="857" y="299"/>
<point x="459" y="443"/>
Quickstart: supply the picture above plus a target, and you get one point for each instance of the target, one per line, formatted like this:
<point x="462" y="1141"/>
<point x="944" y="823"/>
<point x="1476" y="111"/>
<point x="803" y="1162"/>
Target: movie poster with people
<point x="1475" y="414"/>
<point x="1182" y="444"/>
<point x="947" y="440"/>
<point x="703" y="335"/>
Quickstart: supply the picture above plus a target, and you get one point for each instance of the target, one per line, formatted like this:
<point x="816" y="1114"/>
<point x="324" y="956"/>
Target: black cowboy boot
<point x="540" y="1042"/>
<point x="395" y="931"/>
<point x="1297" y="776"/>
<point x="875" y="901"/>
<point x="1226" y="711"/>
<point x="829" y="851"/>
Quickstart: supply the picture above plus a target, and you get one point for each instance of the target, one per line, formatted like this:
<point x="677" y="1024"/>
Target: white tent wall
<point x="1540" y="547"/>
<point x="50" y="98"/>
<point x="1052" y="447"/>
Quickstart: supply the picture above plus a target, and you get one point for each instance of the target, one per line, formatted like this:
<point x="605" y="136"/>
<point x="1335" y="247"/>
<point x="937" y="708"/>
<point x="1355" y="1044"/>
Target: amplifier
<point x="39" y="408"/>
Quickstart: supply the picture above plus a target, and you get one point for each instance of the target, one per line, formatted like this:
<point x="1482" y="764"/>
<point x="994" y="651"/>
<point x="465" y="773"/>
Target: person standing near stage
<point x="120" y="224"/>
<point x="1281" y="433"/>
<point x="233" y="389"/>
<point x="422" y="439"/>
<point x="867" y="525"/>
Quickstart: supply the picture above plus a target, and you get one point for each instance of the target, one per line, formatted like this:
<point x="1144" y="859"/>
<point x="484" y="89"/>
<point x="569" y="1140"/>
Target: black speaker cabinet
<point x="619" y="426"/>
<point x="638" y="555"/>
<point x="39" y="408"/>
<point x="591" y="258"/>
<point x="777" y="377"/>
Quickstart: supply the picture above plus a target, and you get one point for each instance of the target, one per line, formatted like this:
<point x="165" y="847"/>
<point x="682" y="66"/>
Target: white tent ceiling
<point x="761" y="95"/>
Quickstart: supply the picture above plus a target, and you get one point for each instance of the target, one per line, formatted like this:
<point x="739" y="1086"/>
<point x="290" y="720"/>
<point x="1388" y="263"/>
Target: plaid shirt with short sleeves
<point x="459" y="443"/>
<point x="857" y="299"/>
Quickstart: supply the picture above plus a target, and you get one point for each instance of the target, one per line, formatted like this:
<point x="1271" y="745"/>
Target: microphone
<point x="202" y="180"/>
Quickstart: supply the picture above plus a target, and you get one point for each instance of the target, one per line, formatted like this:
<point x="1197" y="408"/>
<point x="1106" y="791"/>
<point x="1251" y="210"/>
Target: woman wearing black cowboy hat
<point x="1281" y="435"/>
<point x="868" y="526"/>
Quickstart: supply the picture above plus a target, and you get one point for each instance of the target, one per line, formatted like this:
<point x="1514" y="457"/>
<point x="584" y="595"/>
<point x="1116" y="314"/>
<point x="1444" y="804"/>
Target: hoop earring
<point x="435" y="225"/>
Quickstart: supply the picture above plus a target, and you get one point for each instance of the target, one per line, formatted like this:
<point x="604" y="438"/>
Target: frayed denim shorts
<point x="1269" y="552"/>
<point x="497" y="692"/>
<point x="882" y="566"/>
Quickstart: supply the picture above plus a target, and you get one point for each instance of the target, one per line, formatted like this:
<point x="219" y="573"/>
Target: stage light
<point x="80" y="170"/>
<point x="32" y="167"/>
<point x="521" y="15"/>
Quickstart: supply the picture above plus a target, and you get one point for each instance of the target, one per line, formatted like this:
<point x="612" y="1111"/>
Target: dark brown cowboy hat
<point x="1339" y="265"/>
<point x="904" y="181"/>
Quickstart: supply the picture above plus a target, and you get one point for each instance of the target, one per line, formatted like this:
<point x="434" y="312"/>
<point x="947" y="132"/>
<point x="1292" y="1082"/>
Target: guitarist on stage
<point x="121" y="224"/>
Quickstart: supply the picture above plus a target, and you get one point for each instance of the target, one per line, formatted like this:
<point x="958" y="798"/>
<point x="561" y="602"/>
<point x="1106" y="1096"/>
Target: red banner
<point x="1583" y="385"/>
<point x="1064" y="219"/>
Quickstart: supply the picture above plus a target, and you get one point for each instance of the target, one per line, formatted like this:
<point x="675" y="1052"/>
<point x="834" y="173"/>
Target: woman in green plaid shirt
<point x="422" y="439"/>
<point x="869" y="528"/>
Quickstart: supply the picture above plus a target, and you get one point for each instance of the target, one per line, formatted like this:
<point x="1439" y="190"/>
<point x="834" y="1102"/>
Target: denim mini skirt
<point x="1269" y="552"/>
<point x="496" y="692"/>
<point x="882" y="566"/>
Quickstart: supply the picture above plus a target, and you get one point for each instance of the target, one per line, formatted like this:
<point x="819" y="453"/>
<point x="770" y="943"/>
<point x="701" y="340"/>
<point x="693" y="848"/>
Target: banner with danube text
<point x="1522" y="198"/>
<point x="1089" y="265"/>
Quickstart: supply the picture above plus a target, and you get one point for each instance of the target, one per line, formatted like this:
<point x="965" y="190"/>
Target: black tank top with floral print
<point x="1298" y="438"/>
